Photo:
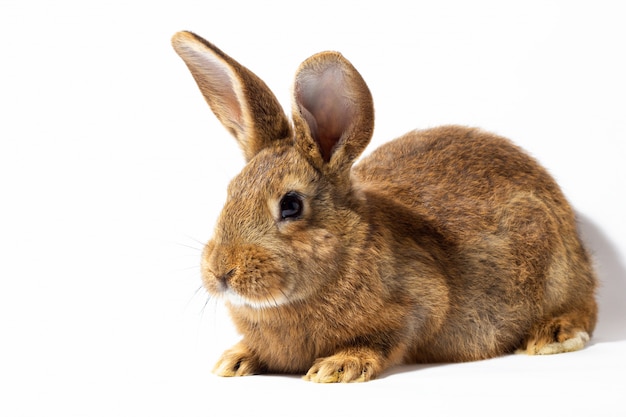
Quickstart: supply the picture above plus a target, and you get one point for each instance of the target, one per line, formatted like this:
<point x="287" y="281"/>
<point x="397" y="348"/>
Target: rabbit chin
<point x="237" y="300"/>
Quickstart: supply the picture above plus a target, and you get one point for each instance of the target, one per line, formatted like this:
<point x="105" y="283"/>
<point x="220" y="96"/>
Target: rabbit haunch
<point x="445" y="245"/>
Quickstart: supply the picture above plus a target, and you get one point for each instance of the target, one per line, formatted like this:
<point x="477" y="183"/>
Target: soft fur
<point x="444" y="245"/>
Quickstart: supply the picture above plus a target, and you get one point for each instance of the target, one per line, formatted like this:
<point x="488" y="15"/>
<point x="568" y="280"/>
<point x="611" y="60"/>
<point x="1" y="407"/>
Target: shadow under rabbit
<point x="611" y="272"/>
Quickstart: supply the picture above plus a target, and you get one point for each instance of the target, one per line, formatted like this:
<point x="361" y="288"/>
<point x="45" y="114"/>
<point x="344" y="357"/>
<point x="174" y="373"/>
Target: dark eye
<point x="291" y="206"/>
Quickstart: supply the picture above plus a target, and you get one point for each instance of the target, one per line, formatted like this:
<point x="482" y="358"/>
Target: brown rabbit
<point x="444" y="245"/>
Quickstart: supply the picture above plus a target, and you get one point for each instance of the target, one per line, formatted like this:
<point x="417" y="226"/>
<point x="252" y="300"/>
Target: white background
<point x="113" y="170"/>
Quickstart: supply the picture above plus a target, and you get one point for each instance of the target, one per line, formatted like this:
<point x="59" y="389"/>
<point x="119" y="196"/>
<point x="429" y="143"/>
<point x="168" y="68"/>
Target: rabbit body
<point x="444" y="245"/>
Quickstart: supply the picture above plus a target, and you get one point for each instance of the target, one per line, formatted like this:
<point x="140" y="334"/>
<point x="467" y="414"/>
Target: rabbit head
<point x="282" y="231"/>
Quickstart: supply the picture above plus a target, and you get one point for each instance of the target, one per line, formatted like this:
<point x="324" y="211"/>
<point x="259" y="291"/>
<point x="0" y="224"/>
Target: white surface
<point x="112" y="171"/>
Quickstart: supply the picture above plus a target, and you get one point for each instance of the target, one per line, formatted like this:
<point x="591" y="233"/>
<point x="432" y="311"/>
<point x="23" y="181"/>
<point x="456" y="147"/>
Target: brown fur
<point x="449" y="244"/>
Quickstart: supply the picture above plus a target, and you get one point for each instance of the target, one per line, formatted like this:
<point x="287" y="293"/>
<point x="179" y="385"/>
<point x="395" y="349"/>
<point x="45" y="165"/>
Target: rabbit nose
<point x="217" y="266"/>
<point x="223" y="279"/>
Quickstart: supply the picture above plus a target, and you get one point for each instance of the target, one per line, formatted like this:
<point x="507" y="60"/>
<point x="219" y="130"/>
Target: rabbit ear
<point x="240" y="100"/>
<point x="333" y="111"/>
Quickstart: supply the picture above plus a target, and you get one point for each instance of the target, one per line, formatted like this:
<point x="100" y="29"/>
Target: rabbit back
<point x="508" y="246"/>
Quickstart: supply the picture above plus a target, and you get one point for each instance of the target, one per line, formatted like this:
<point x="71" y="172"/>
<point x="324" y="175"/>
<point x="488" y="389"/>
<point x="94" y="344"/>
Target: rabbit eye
<point x="291" y="206"/>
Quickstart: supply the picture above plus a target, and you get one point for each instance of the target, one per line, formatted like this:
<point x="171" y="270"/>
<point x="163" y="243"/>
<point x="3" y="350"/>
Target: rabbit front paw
<point x="238" y="361"/>
<point x="349" y="366"/>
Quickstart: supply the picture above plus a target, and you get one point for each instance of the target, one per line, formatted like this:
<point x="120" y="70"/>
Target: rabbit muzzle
<point x="244" y="275"/>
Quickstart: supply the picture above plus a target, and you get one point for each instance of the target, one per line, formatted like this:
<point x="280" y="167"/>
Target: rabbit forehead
<point x="272" y="172"/>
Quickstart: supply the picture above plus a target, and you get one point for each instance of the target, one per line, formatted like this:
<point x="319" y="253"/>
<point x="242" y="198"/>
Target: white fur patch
<point x="237" y="300"/>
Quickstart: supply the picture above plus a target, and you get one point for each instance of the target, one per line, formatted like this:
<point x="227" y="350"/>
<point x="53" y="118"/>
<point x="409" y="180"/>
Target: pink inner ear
<point x="216" y="83"/>
<point x="329" y="112"/>
<point x="221" y="84"/>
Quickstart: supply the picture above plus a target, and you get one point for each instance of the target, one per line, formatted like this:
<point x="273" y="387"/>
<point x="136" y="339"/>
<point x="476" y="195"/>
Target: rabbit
<point x="448" y="244"/>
